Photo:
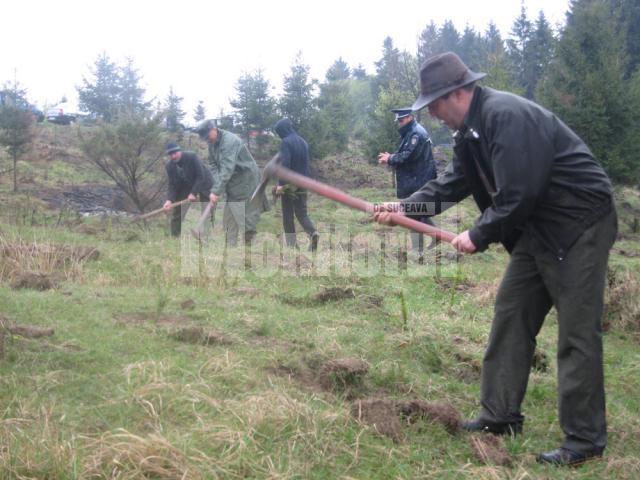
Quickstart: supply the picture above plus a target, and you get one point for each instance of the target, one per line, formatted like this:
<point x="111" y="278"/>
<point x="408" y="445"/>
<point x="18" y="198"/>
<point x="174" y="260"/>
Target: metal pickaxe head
<point x="267" y="174"/>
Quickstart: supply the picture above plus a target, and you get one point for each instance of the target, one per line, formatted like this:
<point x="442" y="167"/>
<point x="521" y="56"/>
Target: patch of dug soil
<point x="454" y="284"/>
<point x="188" y="304"/>
<point x="622" y="309"/>
<point x="490" y="450"/>
<point x="467" y="368"/>
<point x="540" y="361"/>
<point x="200" y="335"/>
<point x="442" y="413"/>
<point x="389" y="416"/>
<point x="247" y="291"/>
<point x="381" y="414"/>
<point x="141" y="317"/>
<point x="349" y="171"/>
<point x="34" y="281"/>
<point x="343" y="374"/>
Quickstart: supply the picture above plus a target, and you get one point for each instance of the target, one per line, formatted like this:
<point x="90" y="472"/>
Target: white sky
<point x="202" y="47"/>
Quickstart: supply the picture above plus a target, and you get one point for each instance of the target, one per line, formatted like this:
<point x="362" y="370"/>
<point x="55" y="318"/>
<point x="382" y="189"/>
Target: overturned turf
<point x="389" y="417"/>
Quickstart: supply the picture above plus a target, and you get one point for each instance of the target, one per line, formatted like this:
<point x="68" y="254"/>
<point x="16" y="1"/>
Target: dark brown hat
<point x="442" y="74"/>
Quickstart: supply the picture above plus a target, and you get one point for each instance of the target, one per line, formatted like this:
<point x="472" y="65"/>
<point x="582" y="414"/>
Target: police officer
<point x="412" y="162"/>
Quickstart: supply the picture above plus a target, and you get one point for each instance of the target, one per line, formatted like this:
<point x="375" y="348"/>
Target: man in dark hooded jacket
<point x="412" y="162"/>
<point x="188" y="178"/>
<point x="294" y="155"/>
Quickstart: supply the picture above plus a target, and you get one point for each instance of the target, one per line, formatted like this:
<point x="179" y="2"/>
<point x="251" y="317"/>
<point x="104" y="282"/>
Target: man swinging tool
<point x="188" y="179"/>
<point x="549" y="202"/>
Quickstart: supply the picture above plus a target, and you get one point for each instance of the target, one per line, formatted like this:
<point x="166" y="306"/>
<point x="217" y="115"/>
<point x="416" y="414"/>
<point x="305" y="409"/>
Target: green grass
<point x="113" y="395"/>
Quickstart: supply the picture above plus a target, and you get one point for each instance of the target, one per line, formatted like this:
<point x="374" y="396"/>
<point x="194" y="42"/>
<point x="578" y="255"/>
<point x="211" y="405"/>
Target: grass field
<point x="169" y="361"/>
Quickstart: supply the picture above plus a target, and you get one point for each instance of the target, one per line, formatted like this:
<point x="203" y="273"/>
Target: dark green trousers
<point x="535" y="280"/>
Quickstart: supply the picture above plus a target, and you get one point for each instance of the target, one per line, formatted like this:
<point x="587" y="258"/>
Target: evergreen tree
<point x="297" y="100"/>
<point x="173" y="112"/>
<point x="99" y="94"/>
<point x="359" y="72"/>
<point x="339" y="70"/>
<point x="518" y="48"/>
<point x="586" y="83"/>
<point x="131" y="94"/>
<point x="448" y="38"/>
<point x="388" y="67"/>
<point x="471" y="48"/>
<point x="199" y="113"/>
<point x="541" y="49"/>
<point x="428" y="42"/>
<point x="112" y="89"/>
<point x="255" y="107"/>
<point x="16" y="126"/>
<point x="130" y="152"/>
<point x="336" y="114"/>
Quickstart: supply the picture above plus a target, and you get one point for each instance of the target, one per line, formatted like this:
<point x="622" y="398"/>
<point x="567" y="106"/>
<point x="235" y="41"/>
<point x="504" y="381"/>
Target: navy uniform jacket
<point x="413" y="161"/>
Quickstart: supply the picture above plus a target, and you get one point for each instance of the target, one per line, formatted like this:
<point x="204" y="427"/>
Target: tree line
<point x="587" y="72"/>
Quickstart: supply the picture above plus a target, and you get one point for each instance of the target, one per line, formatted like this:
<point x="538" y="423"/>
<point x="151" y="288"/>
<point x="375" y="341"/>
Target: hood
<point x="284" y="127"/>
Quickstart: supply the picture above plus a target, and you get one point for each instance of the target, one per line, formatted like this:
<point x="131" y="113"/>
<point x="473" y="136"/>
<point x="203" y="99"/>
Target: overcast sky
<point x="202" y="47"/>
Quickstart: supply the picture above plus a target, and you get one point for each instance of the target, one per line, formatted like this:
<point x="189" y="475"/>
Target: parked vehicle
<point x="64" y="113"/>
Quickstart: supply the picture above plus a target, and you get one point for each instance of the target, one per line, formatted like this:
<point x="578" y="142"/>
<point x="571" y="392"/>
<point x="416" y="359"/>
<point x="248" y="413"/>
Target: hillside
<point x="127" y="354"/>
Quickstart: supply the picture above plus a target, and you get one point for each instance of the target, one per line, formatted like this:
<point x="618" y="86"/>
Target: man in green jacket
<point x="236" y="174"/>
<point x="543" y="196"/>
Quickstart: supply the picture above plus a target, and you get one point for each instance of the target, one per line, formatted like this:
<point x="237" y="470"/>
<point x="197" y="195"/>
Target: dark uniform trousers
<point x="178" y="213"/>
<point x="295" y="202"/>
<point x="536" y="280"/>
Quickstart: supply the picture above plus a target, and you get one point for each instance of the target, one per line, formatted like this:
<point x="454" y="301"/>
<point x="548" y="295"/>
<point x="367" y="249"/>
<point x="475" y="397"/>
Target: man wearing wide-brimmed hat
<point x="188" y="179"/>
<point x="543" y="196"/>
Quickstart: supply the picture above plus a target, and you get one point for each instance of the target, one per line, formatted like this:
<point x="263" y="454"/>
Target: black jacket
<point x="413" y="161"/>
<point x="294" y="150"/>
<point x="526" y="170"/>
<point x="188" y="175"/>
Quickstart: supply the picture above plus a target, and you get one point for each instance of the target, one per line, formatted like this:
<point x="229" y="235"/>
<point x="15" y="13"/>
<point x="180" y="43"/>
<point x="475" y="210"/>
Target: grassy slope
<point x="113" y="394"/>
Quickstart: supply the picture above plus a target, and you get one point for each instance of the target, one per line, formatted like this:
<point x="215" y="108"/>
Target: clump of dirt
<point x="34" y="281"/>
<point x="626" y="253"/>
<point x="459" y="285"/>
<point x="540" y="361"/>
<point x="389" y="417"/>
<point x="343" y="374"/>
<point x="333" y="294"/>
<point x="381" y="414"/>
<point x="188" y="304"/>
<point x="467" y="367"/>
<point x="443" y="413"/>
<point x="622" y="309"/>
<point x="87" y="229"/>
<point x="29" y="331"/>
<point x="490" y="450"/>
<point x="143" y="317"/>
<point x="200" y="335"/>
<point x="247" y="291"/>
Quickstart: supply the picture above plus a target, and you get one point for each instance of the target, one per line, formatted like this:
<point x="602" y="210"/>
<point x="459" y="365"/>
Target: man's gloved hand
<point x="167" y="205"/>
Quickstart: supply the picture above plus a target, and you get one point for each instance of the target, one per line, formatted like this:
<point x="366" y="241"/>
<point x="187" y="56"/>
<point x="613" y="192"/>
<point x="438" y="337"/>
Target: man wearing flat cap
<point x="236" y="174"/>
<point x="544" y="196"/>
<point x="412" y="162"/>
<point x="188" y="179"/>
